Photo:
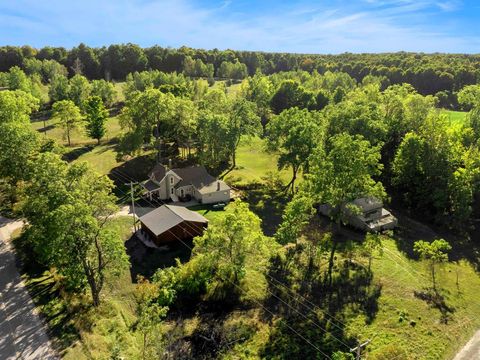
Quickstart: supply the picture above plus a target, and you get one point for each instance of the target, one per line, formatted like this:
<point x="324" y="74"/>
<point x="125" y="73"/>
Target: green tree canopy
<point x="95" y="117"/>
<point x="69" y="117"/>
<point x="293" y="135"/>
<point x="80" y="90"/>
<point x="68" y="208"/>
<point x="291" y="94"/>
<point x="234" y="248"/>
<point x="434" y="253"/>
<point x="146" y="115"/>
<point x="344" y="171"/>
<point x="105" y="90"/>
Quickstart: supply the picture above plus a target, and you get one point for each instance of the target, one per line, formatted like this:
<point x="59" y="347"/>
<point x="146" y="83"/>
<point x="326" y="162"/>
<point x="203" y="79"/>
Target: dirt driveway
<point x="23" y="335"/>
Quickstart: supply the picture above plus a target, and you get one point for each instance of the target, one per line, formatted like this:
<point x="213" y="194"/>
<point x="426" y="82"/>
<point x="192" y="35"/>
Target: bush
<point x="391" y="351"/>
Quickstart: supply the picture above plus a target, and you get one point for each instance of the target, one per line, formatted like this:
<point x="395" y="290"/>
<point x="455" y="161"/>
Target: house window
<point x="182" y="192"/>
<point x="171" y="179"/>
<point x="171" y="191"/>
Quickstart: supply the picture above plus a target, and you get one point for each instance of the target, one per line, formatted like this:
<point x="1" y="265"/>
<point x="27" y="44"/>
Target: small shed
<point x="172" y="223"/>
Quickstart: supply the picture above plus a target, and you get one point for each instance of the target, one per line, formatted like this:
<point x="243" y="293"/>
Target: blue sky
<point x="323" y="26"/>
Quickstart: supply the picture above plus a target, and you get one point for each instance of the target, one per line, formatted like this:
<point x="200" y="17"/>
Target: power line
<point x="297" y="311"/>
<point x="280" y="299"/>
<point x="258" y="303"/>
<point x="312" y="305"/>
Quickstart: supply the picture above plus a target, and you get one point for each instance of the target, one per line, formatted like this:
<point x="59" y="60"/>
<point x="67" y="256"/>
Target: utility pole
<point x="358" y="349"/>
<point x="133" y="207"/>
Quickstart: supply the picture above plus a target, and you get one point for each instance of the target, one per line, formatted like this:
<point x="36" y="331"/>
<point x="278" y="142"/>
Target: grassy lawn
<point x="102" y="158"/>
<point x="78" y="137"/>
<point x="254" y="163"/>
<point x="209" y="212"/>
<point x="119" y="87"/>
<point x="456" y="117"/>
<point x="408" y="325"/>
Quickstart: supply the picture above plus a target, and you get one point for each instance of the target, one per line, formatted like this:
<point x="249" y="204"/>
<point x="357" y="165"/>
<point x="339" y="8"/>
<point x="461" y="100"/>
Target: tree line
<point x="429" y="74"/>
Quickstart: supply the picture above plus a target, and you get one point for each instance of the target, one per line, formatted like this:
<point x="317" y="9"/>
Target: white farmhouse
<point x="189" y="182"/>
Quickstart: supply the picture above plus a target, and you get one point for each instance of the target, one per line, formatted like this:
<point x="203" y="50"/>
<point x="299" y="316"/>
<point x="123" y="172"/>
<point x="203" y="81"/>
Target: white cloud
<point x="378" y="26"/>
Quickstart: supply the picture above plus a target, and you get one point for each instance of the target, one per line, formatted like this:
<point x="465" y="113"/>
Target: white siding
<point x="215" y="197"/>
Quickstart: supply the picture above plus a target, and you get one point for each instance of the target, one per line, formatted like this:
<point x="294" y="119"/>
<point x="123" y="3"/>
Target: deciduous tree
<point x="435" y="253"/>
<point x="95" y="117"/>
<point x="234" y="247"/>
<point x="69" y="208"/>
<point x="293" y="135"/>
<point x="68" y="116"/>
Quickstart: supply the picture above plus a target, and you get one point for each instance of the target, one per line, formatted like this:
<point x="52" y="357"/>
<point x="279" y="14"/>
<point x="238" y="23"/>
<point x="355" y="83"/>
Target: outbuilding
<point x="170" y="223"/>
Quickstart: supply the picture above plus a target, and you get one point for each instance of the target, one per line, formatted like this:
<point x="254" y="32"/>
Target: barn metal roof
<point x="167" y="216"/>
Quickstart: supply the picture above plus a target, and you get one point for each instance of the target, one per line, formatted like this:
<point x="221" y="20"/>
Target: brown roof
<point x="191" y="175"/>
<point x="158" y="172"/>
<point x="194" y="175"/>
<point x="167" y="216"/>
<point x="149" y="185"/>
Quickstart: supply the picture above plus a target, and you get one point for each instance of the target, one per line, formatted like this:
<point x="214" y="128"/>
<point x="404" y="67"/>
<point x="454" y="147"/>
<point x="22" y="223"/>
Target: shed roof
<point x="167" y="216"/>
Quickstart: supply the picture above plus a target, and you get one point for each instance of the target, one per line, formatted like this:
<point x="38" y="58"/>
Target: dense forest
<point x="270" y="278"/>
<point x="430" y="74"/>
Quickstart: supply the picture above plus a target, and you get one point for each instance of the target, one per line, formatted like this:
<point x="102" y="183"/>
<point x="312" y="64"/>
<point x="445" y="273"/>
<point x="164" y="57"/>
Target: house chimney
<point x="218" y="185"/>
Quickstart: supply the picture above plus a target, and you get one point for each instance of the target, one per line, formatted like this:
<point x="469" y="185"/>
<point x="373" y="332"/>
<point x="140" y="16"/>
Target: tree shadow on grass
<point x="74" y="154"/>
<point x="219" y="327"/>
<point x="57" y="313"/>
<point x="315" y="309"/>
<point x="409" y="231"/>
<point x="146" y="261"/>
<point x="267" y="203"/>
<point x="46" y="128"/>
<point x="45" y="292"/>
<point x="136" y="169"/>
<point x="438" y="301"/>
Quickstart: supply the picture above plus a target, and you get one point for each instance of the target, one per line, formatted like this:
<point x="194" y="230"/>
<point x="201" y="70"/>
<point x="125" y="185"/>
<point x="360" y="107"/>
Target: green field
<point x="410" y="326"/>
<point x="456" y="117"/>
<point x="254" y="163"/>
<point x="51" y="129"/>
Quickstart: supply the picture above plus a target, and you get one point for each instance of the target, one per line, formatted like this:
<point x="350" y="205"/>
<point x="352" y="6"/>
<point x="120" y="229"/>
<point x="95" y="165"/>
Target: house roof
<point x="158" y="172"/>
<point x="149" y="185"/>
<point x="200" y="178"/>
<point x="167" y="216"/>
<point x="368" y="203"/>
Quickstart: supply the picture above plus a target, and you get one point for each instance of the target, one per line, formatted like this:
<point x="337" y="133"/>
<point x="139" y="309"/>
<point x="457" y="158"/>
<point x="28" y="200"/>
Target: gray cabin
<point x="371" y="217"/>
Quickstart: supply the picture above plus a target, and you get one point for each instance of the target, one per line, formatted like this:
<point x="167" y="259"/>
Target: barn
<point x="170" y="223"/>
